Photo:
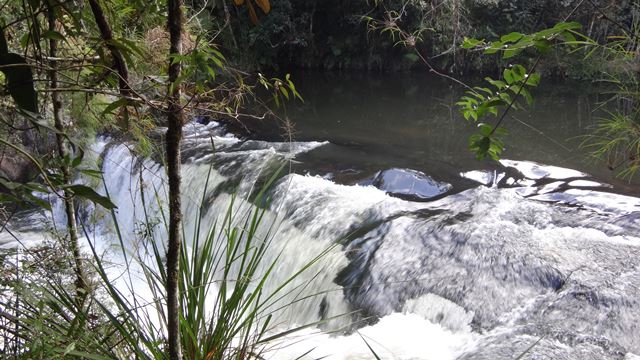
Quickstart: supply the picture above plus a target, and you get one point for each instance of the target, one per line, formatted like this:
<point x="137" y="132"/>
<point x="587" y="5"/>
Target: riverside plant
<point x="226" y="312"/>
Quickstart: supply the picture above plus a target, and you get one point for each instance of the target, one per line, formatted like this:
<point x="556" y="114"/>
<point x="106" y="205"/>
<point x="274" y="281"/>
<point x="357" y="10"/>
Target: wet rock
<point x="411" y="184"/>
<point x="202" y="120"/>
<point x="14" y="167"/>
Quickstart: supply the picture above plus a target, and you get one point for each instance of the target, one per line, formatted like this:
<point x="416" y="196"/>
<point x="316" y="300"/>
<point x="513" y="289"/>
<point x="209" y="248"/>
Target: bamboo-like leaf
<point x="369" y="346"/>
<point x="252" y="13"/>
<point x="264" y="5"/>
<point x="90" y="194"/>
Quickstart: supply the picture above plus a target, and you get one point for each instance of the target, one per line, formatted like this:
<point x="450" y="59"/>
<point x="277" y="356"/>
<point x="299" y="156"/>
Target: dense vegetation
<point x="331" y="35"/>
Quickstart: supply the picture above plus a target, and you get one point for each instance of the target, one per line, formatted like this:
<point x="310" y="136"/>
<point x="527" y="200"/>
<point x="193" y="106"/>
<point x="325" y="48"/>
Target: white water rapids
<point x="549" y="268"/>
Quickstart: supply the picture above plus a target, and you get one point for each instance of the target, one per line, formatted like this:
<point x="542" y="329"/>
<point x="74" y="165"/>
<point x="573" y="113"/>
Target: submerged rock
<point x="409" y="183"/>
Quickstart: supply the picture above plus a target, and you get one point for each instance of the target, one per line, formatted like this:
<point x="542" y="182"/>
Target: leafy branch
<point x="504" y="94"/>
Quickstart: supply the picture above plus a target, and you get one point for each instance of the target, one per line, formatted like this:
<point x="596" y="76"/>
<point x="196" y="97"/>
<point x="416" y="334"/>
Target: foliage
<point x="330" y="35"/>
<point x="313" y="34"/>
<point x="89" y="83"/>
<point x="280" y="89"/>
<point x="226" y="310"/>
<point x="18" y="78"/>
<point x="516" y="82"/>
<point x="615" y="138"/>
<point x="94" y="60"/>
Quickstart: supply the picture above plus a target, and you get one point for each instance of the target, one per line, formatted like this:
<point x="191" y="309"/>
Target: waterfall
<point x="548" y="258"/>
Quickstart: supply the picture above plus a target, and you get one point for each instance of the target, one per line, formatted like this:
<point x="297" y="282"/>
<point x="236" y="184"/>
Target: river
<point x="439" y="256"/>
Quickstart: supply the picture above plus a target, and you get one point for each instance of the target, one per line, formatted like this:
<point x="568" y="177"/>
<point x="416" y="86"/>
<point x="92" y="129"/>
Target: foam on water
<point x="481" y="274"/>
<point x="536" y="171"/>
<point x="395" y="336"/>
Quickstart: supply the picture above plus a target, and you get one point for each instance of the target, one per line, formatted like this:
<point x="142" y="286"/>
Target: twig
<point x="515" y="98"/>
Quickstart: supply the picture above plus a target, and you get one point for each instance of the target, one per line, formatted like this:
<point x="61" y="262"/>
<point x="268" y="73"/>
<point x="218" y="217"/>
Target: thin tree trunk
<point x="227" y="21"/>
<point x="107" y="36"/>
<point x="174" y="135"/>
<point x="119" y="63"/>
<point x="81" y="283"/>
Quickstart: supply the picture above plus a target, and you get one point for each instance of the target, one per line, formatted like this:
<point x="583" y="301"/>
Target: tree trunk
<point x="119" y="63"/>
<point x="174" y="135"/>
<point x="227" y="22"/>
<point x="81" y="283"/>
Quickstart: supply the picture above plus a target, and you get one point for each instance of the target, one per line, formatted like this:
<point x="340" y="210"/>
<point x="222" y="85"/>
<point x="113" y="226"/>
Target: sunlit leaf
<point x="109" y="109"/>
<point x="264" y="5"/>
<point x="512" y="37"/>
<point x="470" y="43"/>
<point x="53" y="35"/>
<point x="90" y="194"/>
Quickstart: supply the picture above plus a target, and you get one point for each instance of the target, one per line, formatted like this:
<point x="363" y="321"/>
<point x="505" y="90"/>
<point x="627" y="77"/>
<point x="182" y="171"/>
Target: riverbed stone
<point x="408" y="183"/>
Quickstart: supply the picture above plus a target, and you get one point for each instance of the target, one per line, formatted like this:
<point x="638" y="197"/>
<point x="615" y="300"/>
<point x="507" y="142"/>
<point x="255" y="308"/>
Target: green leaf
<point x="495" y="102"/>
<point x="533" y="79"/>
<point x="25" y="39"/>
<point x="470" y="43"/>
<point x="8" y="198"/>
<point x="411" y="57"/>
<point x="512" y="37"/>
<point x="497" y="83"/>
<point x="494" y="47"/>
<point x="90" y="194"/>
<point x="38" y="201"/>
<point x="84" y="355"/>
<point x="78" y="159"/>
<point x="485" y="129"/>
<point x="10" y="185"/>
<point x="485" y="90"/>
<point x="519" y="72"/>
<point x="53" y="35"/>
<point x="109" y="109"/>
<point x="543" y="45"/>
<point x="511" y="52"/>
<point x="500" y="131"/>
<point x="69" y="348"/>
<point x="508" y="76"/>
<point x="133" y="46"/>
<point x="19" y="81"/>
<point x="527" y="95"/>
<point x="505" y="97"/>
<point x="481" y="110"/>
<point x="480" y="145"/>
<point x="568" y="37"/>
<point x="93" y="173"/>
<point x="284" y="92"/>
<point x="36" y="187"/>
<point x="567" y="26"/>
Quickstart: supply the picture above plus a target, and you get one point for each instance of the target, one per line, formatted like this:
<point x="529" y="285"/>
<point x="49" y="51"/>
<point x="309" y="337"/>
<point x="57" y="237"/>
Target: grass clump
<point x="227" y="309"/>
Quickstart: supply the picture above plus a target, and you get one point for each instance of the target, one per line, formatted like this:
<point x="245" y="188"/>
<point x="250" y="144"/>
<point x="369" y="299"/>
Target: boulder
<point x="407" y="183"/>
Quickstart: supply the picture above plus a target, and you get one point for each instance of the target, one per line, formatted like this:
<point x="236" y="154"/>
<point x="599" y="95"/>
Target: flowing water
<point x="439" y="256"/>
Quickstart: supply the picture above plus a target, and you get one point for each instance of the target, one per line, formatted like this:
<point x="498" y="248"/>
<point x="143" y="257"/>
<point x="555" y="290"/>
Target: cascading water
<point x="542" y="263"/>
